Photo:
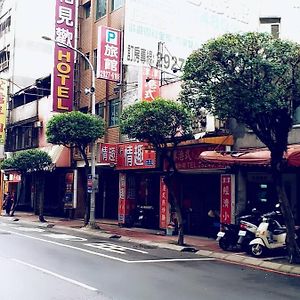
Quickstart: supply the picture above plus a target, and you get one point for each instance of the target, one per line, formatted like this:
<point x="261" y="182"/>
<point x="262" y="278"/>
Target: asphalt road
<point x="41" y="263"/>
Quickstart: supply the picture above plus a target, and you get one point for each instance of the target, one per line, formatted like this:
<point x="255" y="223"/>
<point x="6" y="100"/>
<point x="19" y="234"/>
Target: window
<point x="114" y="111"/>
<point x="270" y="25"/>
<point x="100" y="9"/>
<point x="100" y="109"/>
<point x="115" y="4"/>
<point x="86" y="64"/>
<point x="22" y="137"/>
<point x="95" y="59"/>
<point x="87" y="9"/>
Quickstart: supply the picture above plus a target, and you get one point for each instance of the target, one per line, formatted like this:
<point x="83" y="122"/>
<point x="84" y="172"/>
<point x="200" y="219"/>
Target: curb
<point x="233" y="258"/>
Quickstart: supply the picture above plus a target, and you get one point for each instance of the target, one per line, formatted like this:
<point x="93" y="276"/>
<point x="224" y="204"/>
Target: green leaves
<point x="74" y="128"/>
<point x="156" y="122"/>
<point x="251" y="77"/>
<point x="32" y="160"/>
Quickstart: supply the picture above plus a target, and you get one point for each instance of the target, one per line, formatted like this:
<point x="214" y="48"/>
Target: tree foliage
<point x="255" y="79"/>
<point x="74" y="129"/>
<point x="251" y="77"/>
<point x="158" y="122"/>
<point x="163" y="124"/>
<point x="32" y="160"/>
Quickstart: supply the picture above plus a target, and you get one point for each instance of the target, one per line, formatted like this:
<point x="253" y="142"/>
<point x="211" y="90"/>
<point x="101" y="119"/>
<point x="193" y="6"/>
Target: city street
<point x="49" y="263"/>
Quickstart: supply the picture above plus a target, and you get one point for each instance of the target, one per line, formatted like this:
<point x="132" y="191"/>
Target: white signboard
<point x="164" y="33"/>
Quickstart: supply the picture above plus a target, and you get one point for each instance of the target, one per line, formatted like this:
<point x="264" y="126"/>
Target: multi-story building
<point x="26" y="63"/>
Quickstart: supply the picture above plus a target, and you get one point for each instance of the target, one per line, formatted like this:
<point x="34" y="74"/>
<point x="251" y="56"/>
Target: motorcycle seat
<point x="279" y="231"/>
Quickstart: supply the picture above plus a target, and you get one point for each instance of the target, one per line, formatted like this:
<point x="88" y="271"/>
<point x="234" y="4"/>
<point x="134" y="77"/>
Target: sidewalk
<point x="200" y="245"/>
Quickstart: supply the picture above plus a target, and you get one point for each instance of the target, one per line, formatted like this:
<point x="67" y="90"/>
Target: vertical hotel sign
<point x="63" y="74"/>
<point x="227" y="198"/>
<point x="109" y="53"/>
<point x="3" y="103"/>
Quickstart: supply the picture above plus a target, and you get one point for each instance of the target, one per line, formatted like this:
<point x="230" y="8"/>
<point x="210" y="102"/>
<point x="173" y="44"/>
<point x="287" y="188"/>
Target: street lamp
<point x="91" y="91"/>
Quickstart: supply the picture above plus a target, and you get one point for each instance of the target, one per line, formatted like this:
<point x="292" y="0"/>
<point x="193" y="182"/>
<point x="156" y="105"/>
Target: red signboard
<point x="107" y="153"/>
<point x="227" y="198"/>
<point x="150" y="83"/>
<point x="109" y="53"/>
<point x="135" y="156"/>
<point x="189" y="158"/>
<point x="63" y="73"/>
<point x="164" y="212"/>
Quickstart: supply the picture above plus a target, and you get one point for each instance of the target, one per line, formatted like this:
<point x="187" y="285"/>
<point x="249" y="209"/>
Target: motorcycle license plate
<point x="242" y="233"/>
<point x="221" y="234"/>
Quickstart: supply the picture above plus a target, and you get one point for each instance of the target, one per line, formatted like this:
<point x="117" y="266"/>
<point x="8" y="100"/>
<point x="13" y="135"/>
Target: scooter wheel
<point x="257" y="250"/>
<point x="224" y="244"/>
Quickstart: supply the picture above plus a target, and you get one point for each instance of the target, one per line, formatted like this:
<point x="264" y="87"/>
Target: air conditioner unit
<point x="38" y="124"/>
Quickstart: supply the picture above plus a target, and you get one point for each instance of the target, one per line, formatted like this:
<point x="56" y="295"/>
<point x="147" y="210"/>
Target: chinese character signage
<point x="68" y="198"/>
<point x="189" y="158"/>
<point x="227" y="198"/>
<point x="150" y="84"/>
<point x="3" y="102"/>
<point x="122" y="198"/>
<point x="135" y="156"/>
<point x="164" y="213"/>
<point x="63" y="73"/>
<point x="109" y="53"/>
<point x="107" y="153"/>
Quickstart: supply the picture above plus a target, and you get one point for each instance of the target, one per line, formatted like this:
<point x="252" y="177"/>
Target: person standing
<point x="8" y="203"/>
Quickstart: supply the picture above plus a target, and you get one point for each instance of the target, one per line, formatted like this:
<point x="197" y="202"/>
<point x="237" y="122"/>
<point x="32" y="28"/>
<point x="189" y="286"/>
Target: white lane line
<point x="172" y="260"/>
<point x="56" y="275"/>
<point x="67" y="246"/>
<point x="108" y="256"/>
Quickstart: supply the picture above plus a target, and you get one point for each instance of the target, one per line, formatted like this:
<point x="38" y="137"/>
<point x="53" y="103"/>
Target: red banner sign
<point x="164" y="213"/>
<point x="150" y="83"/>
<point x="189" y="158"/>
<point x="63" y="73"/>
<point x="135" y="156"/>
<point x="107" y="153"/>
<point x="109" y="53"/>
<point x="227" y="198"/>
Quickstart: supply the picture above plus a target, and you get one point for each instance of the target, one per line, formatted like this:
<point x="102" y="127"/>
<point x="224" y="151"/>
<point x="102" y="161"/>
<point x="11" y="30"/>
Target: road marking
<point x="65" y="237"/>
<point x="66" y="246"/>
<point x="173" y="260"/>
<point x="105" y="255"/>
<point x="114" y="248"/>
<point x="28" y="229"/>
<point x="56" y="275"/>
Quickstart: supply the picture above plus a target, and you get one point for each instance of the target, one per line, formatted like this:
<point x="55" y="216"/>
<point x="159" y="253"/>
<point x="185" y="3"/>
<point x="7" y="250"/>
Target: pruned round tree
<point x="163" y="124"/>
<point x="255" y="79"/>
<point x="76" y="129"/>
<point x="29" y="161"/>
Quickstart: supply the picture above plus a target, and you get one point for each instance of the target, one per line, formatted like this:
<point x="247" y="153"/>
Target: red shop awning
<point x="261" y="157"/>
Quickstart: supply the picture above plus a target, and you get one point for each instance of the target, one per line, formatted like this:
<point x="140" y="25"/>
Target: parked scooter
<point x="232" y="237"/>
<point x="248" y="228"/>
<point x="270" y="235"/>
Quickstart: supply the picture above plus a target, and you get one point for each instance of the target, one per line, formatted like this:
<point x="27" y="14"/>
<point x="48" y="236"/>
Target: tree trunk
<point x="170" y="181"/>
<point x="84" y="181"/>
<point x="16" y="201"/>
<point x="41" y="189"/>
<point x="292" y="247"/>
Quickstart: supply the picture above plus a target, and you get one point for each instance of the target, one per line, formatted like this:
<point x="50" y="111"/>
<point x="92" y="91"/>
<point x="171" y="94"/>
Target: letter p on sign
<point x="111" y="37"/>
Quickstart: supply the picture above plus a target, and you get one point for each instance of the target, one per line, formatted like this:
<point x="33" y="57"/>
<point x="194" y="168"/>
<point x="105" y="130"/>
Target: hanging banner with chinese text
<point x="164" y="211"/>
<point x="150" y="84"/>
<point x="109" y="53"/>
<point x="63" y="73"/>
<point x="3" y="103"/>
<point x="135" y="156"/>
<point x="227" y="202"/>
